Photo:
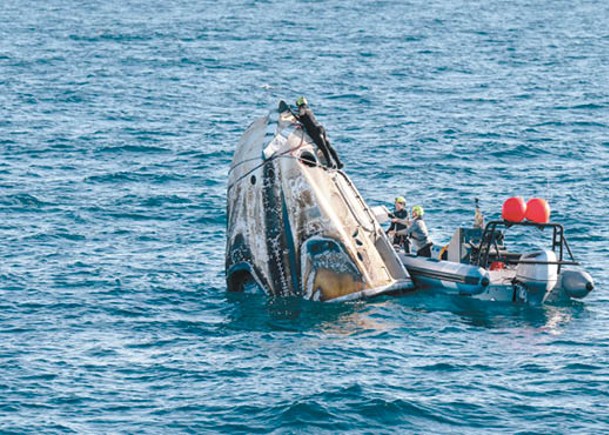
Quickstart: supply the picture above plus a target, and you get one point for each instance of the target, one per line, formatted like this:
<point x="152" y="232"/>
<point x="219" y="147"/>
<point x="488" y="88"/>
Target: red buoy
<point x="514" y="209"/>
<point x="538" y="211"/>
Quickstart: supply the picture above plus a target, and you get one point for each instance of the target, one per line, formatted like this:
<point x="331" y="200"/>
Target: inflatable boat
<point x="476" y="263"/>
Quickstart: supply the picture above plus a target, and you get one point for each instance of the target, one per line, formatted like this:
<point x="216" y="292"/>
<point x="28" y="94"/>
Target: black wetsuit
<point x="318" y="134"/>
<point x="401" y="240"/>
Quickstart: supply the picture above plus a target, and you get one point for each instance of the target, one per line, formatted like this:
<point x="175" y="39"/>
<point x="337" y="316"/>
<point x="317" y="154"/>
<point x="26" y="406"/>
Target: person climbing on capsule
<point x="317" y="132"/>
<point x="417" y="230"/>
<point x="399" y="221"/>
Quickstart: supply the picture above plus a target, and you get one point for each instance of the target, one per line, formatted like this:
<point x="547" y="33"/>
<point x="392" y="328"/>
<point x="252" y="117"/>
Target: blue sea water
<point x="118" y="121"/>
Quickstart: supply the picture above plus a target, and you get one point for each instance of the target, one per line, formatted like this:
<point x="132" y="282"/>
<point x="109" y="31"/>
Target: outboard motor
<point x="576" y="283"/>
<point x="538" y="273"/>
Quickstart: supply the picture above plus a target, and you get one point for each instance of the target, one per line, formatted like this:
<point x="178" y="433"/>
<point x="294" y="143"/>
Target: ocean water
<point x="118" y="121"/>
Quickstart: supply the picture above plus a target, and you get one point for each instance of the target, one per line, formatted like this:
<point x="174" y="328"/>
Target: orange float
<point x="514" y="209"/>
<point x="538" y="211"/>
<point x="497" y="265"/>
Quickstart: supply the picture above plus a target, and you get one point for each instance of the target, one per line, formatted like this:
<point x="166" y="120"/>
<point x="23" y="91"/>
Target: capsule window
<point x="308" y="158"/>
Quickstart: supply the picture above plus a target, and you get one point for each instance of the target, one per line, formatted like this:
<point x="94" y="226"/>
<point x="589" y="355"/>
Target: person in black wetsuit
<point x="399" y="221"/>
<point x="317" y="133"/>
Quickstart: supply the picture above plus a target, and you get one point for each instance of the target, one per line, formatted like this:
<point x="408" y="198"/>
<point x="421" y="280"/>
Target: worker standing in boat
<point x="399" y="221"/>
<point x="317" y="133"/>
<point x="417" y="230"/>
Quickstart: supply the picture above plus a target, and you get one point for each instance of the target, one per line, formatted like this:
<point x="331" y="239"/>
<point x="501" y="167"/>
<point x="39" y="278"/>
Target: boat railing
<point x="561" y="262"/>
<point x="489" y="248"/>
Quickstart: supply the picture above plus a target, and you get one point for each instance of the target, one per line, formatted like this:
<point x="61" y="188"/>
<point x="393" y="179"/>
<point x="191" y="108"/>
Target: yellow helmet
<point x="302" y="101"/>
<point x="400" y="199"/>
<point x="418" y="210"/>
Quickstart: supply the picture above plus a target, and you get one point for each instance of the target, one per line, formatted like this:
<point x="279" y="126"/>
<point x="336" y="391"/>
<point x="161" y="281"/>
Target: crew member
<point x="317" y="133"/>
<point x="399" y="221"/>
<point x="417" y="230"/>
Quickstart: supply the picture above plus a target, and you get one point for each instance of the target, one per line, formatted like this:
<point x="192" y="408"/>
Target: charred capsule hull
<point x="296" y="227"/>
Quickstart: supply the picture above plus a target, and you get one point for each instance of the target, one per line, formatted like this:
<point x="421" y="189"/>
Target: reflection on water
<point x="262" y="313"/>
<point x="558" y="317"/>
<point x="259" y="312"/>
<point x="366" y="317"/>
<point x="498" y="315"/>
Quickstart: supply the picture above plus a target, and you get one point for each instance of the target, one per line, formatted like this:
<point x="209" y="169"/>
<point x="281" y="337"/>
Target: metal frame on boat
<point x="490" y="240"/>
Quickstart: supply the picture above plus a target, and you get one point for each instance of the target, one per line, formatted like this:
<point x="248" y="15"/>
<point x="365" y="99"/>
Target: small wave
<point x="111" y="178"/>
<point x="514" y="152"/>
<point x="24" y="200"/>
<point x="134" y="149"/>
<point x="307" y="412"/>
<point x="56" y="236"/>
<point x="535" y="368"/>
<point x="398" y="411"/>
<point x="211" y="157"/>
<point x="351" y="99"/>
<point x="571" y="124"/>
<point x="442" y="367"/>
<point x="585" y="106"/>
<point x="582" y="368"/>
<point x="572" y="343"/>
<point x="116" y="37"/>
<point x="125" y="177"/>
<point x="210" y="220"/>
<point x="165" y="199"/>
<point x="136" y="216"/>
